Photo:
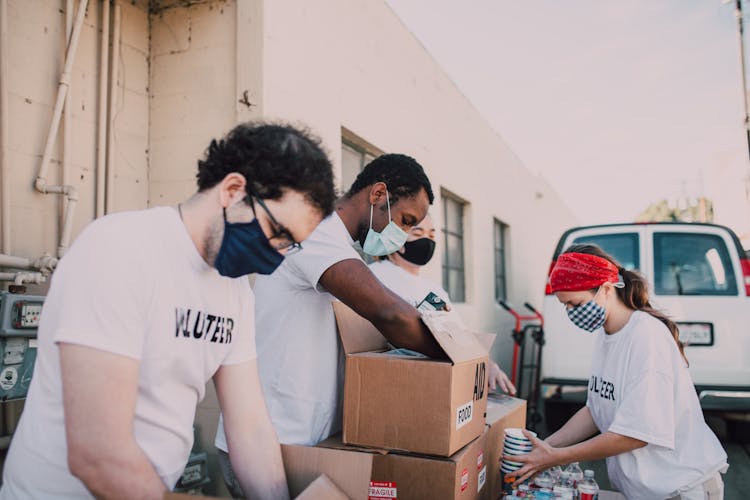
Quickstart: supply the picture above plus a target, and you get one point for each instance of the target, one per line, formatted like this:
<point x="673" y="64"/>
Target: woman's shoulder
<point x="649" y="330"/>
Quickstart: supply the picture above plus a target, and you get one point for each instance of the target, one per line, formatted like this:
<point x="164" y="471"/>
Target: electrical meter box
<point x="19" y="322"/>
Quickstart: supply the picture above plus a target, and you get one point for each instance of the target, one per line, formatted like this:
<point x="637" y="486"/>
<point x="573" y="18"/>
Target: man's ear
<point x="232" y="189"/>
<point x="377" y="193"/>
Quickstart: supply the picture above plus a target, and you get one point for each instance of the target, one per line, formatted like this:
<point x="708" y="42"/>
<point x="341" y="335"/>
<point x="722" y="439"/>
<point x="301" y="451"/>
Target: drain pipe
<point x="22" y="277"/>
<point x="110" y="188"/>
<point x="4" y="166"/>
<point x="46" y="263"/>
<point x="41" y="181"/>
<point x="67" y="111"/>
<point x="101" y="141"/>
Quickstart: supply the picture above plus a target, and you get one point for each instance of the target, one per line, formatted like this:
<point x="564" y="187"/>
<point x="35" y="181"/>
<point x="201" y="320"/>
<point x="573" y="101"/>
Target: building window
<point x="355" y="154"/>
<point x="500" y="270"/>
<point x="454" y="269"/>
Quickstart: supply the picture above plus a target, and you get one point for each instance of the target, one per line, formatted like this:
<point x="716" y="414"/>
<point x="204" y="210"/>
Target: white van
<point x="699" y="276"/>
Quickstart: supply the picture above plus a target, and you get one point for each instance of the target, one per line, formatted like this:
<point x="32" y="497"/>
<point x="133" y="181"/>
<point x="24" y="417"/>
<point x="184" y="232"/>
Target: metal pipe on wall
<point x="46" y="263"/>
<point x="4" y="166"/>
<point x="22" y="277"/>
<point x="67" y="112"/>
<point x="101" y="153"/>
<point x="41" y="181"/>
<point x="15" y="262"/>
<point x="115" y="59"/>
<point x="62" y="90"/>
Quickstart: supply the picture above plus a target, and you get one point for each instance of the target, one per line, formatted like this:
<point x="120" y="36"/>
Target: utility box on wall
<point x="19" y="322"/>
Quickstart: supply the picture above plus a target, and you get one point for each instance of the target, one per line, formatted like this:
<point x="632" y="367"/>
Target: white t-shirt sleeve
<point x="102" y="287"/>
<point x="243" y="343"/>
<point x="326" y="246"/>
<point x="647" y="411"/>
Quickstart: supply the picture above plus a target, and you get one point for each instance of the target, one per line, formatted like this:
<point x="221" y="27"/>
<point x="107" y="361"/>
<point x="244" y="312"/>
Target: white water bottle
<point x="588" y="489"/>
<point x="575" y="473"/>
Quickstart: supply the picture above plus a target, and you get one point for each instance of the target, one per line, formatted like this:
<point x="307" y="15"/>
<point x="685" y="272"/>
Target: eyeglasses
<point x="287" y="243"/>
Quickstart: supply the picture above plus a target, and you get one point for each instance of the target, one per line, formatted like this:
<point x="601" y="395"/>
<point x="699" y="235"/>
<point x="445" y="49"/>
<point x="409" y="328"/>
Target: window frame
<point x="459" y="233"/>
<point x="499" y="253"/>
<point x="365" y="149"/>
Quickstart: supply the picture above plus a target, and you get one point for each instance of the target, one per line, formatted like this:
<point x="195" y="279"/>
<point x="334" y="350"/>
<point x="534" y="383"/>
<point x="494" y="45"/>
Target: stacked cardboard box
<point x="434" y="407"/>
<point x="365" y="473"/>
<point x="320" y="488"/>
<point x="413" y="428"/>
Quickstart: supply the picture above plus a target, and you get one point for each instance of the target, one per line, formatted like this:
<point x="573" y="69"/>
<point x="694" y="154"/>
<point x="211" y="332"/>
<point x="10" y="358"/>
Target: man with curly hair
<point x="300" y="365"/>
<point x="146" y="307"/>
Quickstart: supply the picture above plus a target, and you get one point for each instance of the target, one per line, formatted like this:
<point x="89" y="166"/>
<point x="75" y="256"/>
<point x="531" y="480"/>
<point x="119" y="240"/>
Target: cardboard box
<point x="502" y="412"/>
<point x="321" y="488"/>
<point x="403" y="403"/>
<point x="367" y="474"/>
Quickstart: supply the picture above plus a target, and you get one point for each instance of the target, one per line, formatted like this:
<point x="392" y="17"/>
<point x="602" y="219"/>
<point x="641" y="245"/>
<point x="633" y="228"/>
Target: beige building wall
<point x="353" y="64"/>
<point x="35" y="48"/>
<point x="188" y="71"/>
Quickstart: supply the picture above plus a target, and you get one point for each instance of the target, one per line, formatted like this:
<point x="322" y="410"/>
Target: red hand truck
<point x="533" y="325"/>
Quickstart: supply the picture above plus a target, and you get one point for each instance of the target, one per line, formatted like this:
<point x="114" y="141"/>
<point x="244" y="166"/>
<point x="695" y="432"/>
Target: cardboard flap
<point x="356" y="333"/>
<point x="349" y="471"/>
<point x="336" y="443"/>
<point x="458" y="343"/>
<point x="322" y="489"/>
<point x="486" y="339"/>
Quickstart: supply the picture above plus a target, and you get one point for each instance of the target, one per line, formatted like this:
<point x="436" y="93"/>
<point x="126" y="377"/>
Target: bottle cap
<point x="588" y="473"/>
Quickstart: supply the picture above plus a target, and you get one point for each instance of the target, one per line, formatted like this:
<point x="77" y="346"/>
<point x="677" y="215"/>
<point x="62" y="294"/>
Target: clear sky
<point x="616" y="103"/>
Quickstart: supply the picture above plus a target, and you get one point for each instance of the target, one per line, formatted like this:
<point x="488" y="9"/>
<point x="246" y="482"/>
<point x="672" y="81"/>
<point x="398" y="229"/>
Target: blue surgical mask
<point x="589" y="316"/>
<point x="387" y="241"/>
<point x="245" y="250"/>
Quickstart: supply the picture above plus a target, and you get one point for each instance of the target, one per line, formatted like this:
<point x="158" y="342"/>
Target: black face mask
<point x="419" y="252"/>
<point x="245" y="250"/>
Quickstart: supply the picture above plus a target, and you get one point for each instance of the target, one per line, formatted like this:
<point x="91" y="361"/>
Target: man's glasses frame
<point x="290" y="245"/>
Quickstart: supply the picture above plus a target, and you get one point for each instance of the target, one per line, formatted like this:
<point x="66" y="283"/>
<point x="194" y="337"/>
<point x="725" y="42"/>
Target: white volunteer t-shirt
<point x="132" y="284"/>
<point x="300" y="366"/>
<point x="640" y="387"/>
<point x="409" y="287"/>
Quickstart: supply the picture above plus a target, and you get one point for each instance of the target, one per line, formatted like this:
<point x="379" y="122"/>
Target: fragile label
<point x="382" y="490"/>
<point x="480" y="460"/>
<point x="464" y="414"/>
<point x="464" y="479"/>
<point x="482" y="479"/>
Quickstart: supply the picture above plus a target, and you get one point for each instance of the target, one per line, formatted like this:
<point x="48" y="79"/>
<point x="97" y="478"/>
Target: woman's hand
<point x="498" y="378"/>
<point x="541" y="457"/>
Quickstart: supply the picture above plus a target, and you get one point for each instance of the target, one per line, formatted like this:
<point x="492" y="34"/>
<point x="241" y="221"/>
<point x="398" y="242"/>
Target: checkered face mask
<point x="589" y="316"/>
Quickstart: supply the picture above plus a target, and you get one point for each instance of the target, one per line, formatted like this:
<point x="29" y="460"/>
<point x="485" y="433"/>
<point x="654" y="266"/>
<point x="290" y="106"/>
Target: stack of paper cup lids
<point x="515" y="444"/>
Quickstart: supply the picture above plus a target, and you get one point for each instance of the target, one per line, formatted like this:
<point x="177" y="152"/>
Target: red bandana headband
<point x="575" y="272"/>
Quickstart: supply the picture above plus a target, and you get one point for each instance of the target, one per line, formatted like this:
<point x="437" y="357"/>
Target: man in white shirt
<point x="146" y="307"/>
<point x="300" y="364"/>
<point x="401" y="272"/>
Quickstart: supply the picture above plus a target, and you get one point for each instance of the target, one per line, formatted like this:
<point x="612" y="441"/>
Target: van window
<point x="622" y="246"/>
<point x="692" y="264"/>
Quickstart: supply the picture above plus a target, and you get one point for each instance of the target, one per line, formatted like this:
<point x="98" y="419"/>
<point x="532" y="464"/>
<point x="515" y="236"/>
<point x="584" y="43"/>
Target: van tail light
<point x="746" y="274"/>
<point x="548" y="288"/>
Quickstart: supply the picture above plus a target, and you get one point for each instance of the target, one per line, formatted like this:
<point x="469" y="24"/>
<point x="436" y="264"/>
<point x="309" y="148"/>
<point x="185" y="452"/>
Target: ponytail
<point x="635" y="296"/>
<point x="635" y="292"/>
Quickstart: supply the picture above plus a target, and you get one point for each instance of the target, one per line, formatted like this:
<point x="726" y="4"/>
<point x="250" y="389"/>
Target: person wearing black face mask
<point x="146" y="307"/>
<point x="400" y="271"/>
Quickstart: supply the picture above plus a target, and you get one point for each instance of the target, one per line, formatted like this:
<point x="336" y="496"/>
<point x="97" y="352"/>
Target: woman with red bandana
<point x="641" y="400"/>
